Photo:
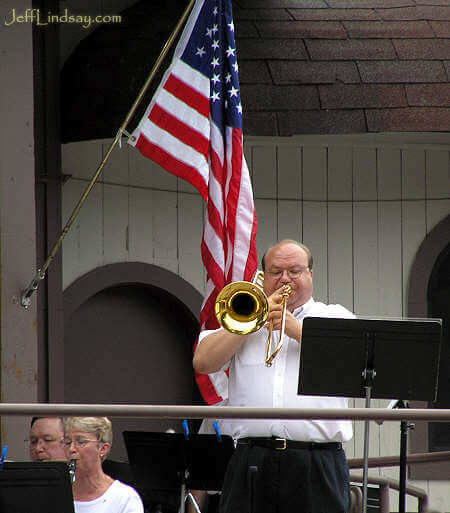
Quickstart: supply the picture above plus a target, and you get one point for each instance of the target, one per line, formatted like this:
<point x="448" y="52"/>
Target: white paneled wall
<point x="362" y="205"/>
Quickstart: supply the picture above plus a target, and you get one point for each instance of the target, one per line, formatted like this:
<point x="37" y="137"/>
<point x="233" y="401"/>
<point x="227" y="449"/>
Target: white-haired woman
<point x="88" y="440"/>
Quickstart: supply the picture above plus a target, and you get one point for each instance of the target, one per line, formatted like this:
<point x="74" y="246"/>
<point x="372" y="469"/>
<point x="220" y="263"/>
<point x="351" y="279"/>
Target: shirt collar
<point x="303" y="309"/>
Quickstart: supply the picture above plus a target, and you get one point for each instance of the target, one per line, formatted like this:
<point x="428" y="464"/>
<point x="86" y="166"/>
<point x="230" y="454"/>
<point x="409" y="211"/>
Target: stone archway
<point x="129" y="330"/>
<point x="422" y="271"/>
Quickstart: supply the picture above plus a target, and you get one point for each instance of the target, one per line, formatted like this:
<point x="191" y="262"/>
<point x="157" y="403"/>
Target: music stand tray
<point x="35" y="487"/>
<point x="157" y="459"/>
<point x="403" y="352"/>
<point x="208" y="459"/>
<point x="170" y="462"/>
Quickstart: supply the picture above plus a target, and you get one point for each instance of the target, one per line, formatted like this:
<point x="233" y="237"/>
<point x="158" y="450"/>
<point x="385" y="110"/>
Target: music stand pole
<point x="368" y="375"/>
<point x="402" y="469"/>
<point x="182" y="498"/>
<point x="183" y="493"/>
<point x="404" y="426"/>
<point x="366" y="453"/>
<point x="186" y="494"/>
<point x="193" y="501"/>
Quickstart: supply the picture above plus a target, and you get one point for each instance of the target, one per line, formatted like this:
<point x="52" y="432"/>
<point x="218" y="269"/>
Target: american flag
<point x="193" y="129"/>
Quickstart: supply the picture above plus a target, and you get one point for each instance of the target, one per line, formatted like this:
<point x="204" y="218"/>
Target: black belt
<point x="282" y="444"/>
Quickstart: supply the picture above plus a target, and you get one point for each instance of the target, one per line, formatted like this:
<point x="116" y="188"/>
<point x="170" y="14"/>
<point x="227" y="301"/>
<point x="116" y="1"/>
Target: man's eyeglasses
<point x="46" y="440"/>
<point x="292" y="273"/>
<point x="77" y="442"/>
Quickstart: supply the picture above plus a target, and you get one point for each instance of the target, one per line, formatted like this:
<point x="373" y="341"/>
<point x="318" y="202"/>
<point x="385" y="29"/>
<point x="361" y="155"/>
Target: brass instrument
<point x="270" y="357"/>
<point x="242" y="307"/>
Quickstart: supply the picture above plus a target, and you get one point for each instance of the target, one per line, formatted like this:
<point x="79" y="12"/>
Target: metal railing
<point x="385" y="485"/>
<point x="221" y="412"/>
<point x="393" y="461"/>
<point x="216" y="412"/>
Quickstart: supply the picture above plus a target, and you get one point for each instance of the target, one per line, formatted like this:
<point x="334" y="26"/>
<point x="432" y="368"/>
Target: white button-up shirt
<point x="251" y="383"/>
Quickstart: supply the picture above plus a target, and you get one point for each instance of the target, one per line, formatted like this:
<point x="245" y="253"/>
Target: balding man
<point x="279" y="465"/>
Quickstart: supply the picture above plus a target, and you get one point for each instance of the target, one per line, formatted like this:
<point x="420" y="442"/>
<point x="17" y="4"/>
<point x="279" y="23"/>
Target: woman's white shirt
<point x="118" y="498"/>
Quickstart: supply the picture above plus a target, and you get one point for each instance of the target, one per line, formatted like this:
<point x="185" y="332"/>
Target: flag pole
<point x="40" y="274"/>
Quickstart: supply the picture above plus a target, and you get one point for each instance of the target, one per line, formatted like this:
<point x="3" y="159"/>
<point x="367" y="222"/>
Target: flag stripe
<point x="184" y="153"/>
<point x="187" y="95"/>
<point x="179" y="129"/>
<point x="178" y="109"/>
<point x="177" y="167"/>
<point x="193" y="129"/>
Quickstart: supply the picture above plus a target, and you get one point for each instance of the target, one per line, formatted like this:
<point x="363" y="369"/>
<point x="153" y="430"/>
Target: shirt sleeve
<point x="342" y="312"/>
<point x="205" y="333"/>
<point x="330" y="311"/>
<point x="133" y="505"/>
<point x="201" y="336"/>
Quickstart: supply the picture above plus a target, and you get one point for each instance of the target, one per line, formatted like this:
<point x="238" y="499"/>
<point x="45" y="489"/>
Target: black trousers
<point x="267" y="480"/>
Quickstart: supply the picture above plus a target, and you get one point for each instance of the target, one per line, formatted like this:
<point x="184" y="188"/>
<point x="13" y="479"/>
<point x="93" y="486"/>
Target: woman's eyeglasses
<point x="77" y="442"/>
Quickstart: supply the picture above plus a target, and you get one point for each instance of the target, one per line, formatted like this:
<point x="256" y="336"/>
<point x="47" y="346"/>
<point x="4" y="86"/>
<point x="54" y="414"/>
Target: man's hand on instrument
<point x="292" y="327"/>
<point x="275" y="306"/>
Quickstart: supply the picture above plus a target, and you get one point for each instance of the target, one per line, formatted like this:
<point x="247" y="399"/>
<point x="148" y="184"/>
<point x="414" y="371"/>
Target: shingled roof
<point x="305" y="66"/>
<point x="342" y="66"/>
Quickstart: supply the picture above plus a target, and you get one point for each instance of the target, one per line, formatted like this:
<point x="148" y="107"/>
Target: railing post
<point x="384" y="498"/>
<point x="423" y="504"/>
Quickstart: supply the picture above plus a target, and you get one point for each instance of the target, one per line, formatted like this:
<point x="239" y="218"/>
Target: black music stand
<point x="371" y="358"/>
<point x="35" y="487"/>
<point x="170" y="462"/>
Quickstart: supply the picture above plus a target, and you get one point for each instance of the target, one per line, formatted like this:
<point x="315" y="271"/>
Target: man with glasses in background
<point x="279" y="466"/>
<point x="46" y="439"/>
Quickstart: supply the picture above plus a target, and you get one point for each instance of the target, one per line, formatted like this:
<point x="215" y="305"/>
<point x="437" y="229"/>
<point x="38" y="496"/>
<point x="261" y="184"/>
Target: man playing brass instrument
<point x="279" y="465"/>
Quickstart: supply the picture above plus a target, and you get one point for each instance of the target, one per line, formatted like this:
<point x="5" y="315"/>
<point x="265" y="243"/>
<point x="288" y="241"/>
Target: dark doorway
<point x="428" y="290"/>
<point x="130" y="344"/>
<point x="439" y="307"/>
